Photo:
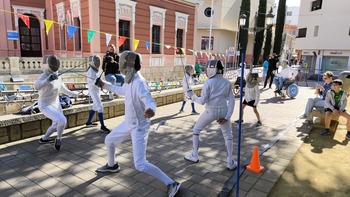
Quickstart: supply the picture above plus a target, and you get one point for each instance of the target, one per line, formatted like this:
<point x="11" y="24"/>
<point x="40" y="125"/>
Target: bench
<point x="319" y="113"/>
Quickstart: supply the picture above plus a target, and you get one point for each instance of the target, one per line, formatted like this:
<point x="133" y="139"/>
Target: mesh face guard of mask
<point x="52" y="61"/>
<point x="95" y="62"/>
<point x="214" y="67"/>
<point x="189" y="69"/>
<point x="128" y="65"/>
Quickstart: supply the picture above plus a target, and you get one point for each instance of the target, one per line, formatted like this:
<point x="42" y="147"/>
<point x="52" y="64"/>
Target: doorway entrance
<point x="30" y="38"/>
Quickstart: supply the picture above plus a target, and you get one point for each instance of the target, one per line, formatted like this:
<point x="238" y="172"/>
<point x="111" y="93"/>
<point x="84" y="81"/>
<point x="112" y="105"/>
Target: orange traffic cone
<point x="254" y="165"/>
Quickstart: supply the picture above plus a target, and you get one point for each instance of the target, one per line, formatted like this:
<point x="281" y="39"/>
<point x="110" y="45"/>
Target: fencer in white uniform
<point x="94" y="91"/>
<point x="187" y="83"/>
<point x="219" y="103"/>
<point x="139" y="108"/>
<point x="49" y="85"/>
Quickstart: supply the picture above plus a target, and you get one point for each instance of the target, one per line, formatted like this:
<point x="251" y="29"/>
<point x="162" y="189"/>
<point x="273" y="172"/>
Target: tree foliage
<point x="259" y="36"/>
<point x="281" y="14"/>
<point x="243" y="32"/>
<point x="267" y="46"/>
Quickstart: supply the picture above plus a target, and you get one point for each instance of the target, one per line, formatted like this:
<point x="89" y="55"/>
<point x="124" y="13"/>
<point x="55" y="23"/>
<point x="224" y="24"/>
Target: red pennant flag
<point x="121" y="40"/>
<point x="25" y="19"/>
<point x="176" y="49"/>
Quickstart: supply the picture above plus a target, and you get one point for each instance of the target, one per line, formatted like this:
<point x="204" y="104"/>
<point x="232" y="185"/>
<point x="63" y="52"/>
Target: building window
<point x="77" y="36"/>
<point x="179" y="40"/>
<point x="302" y="33"/>
<point x="290" y="13"/>
<point x="316" y="5"/>
<point x="156" y="39"/>
<point x="316" y="31"/>
<point x="124" y="30"/>
<point x="205" y="43"/>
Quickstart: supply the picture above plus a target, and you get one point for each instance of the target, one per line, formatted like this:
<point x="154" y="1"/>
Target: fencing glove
<point x="53" y="77"/>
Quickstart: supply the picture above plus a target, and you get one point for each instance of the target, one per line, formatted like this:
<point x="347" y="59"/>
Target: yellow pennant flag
<point x="48" y="24"/>
<point x="136" y="44"/>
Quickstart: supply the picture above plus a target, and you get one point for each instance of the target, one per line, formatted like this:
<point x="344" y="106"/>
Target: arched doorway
<point x="30" y="38"/>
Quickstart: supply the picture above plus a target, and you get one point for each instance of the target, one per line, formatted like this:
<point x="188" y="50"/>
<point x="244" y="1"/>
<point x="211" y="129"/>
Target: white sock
<point x="110" y="155"/>
<point x="49" y="132"/>
<point x="229" y="147"/>
<point x="158" y="174"/>
<point x="195" y="145"/>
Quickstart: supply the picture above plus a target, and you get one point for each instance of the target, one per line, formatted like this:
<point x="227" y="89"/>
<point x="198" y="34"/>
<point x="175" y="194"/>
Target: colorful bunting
<point x="90" y="34"/>
<point x="167" y="46"/>
<point x="71" y="30"/>
<point x="183" y="51"/>
<point x="176" y="49"/>
<point x="136" y="44"/>
<point x="147" y="45"/>
<point x="121" y="40"/>
<point x="108" y="38"/>
<point x="48" y="24"/>
<point x="25" y="19"/>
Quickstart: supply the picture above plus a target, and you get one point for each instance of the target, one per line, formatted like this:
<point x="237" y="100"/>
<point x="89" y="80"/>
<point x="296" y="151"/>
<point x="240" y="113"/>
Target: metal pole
<point x="211" y="25"/>
<point x="239" y="127"/>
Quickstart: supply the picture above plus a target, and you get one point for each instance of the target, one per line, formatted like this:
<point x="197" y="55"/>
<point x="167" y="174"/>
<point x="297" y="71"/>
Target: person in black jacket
<point x="273" y="59"/>
<point x="111" y="67"/>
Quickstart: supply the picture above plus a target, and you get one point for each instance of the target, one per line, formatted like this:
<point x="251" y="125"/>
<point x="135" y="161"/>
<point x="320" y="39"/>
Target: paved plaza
<point x="30" y="169"/>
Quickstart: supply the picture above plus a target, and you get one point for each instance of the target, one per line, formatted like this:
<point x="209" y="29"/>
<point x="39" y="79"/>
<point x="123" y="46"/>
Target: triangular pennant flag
<point x="108" y="38"/>
<point x="136" y="44"/>
<point x="201" y="52"/>
<point x="183" y="51"/>
<point x="90" y="34"/>
<point x="121" y="40"/>
<point x="147" y="45"/>
<point x="71" y="30"/>
<point x="48" y="24"/>
<point x="25" y="19"/>
<point x="167" y="46"/>
<point x="176" y="49"/>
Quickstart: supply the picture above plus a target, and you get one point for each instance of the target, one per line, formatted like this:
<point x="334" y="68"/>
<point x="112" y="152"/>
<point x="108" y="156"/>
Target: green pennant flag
<point x="90" y="34"/>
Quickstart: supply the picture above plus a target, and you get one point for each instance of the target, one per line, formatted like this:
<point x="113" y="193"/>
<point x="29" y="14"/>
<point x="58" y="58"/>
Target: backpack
<point x="65" y="102"/>
<point x="30" y="109"/>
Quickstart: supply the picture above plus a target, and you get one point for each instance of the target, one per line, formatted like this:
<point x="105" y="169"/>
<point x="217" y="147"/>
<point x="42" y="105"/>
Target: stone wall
<point x="17" y="127"/>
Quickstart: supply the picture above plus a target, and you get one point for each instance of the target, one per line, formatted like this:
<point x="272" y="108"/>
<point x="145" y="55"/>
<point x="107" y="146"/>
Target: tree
<point x="243" y="32"/>
<point x="259" y="36"/>
<point x="281" y="14"/>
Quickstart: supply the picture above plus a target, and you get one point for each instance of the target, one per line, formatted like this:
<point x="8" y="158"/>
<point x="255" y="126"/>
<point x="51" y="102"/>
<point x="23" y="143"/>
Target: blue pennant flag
<point x="71" y="31"/>
<point x="147" y="45"/>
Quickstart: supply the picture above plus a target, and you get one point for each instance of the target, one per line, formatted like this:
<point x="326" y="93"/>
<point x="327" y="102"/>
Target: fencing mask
<point x="214" y="67"/>
<point x="129" y="64"/>
<point x="52" y="61"/>
<point x="189" y="70"/>
<point x="95" y="62"/>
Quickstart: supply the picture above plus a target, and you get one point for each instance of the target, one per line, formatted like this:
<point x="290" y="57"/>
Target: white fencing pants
<point x="139" y="139"/>
<point x="59" y="121"/>
<point x="207" y="117"/>
<point x="96" y="101"/>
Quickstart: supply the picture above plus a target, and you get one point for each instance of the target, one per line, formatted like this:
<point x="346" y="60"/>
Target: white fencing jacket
<point x="137" y="99"/>
<point x="49" y="91"/>
<point x="217" y="93"/>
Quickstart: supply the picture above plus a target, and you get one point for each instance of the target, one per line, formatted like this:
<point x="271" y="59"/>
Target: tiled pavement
<point x="30" y="169"/>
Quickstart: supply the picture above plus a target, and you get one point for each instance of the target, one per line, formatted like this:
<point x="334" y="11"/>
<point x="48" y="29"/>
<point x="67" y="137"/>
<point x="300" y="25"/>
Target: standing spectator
<point x="218" y="97"/>
<point x="335" y="103"/>
<point x="264" y="71"/>
<point x="49" y="85"/>
<point x="111" y="67"/>
<point x="321" y="91"/>
<point x="139" y="108"/>
<point x="198" y="69"/>
<point x="187" y="84"/>
<point x="94" y="92"/>
<point x="273" y="59"/>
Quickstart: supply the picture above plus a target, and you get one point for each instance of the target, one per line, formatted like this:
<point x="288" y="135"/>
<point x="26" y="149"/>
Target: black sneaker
<point x="258" y="124"/>
<point x="106" y="168"/>
<point x="173" y="188"/>
<point x="91" y="124"/>
<point x="41" y="141"/>
<point x="237" y="121"/>
<point x="104" y="129"/>
<point x="57" y="145"/>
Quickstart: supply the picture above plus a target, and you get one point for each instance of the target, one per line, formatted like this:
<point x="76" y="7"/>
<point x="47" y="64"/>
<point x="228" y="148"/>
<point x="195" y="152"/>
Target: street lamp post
<point x="242" y="22"/>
